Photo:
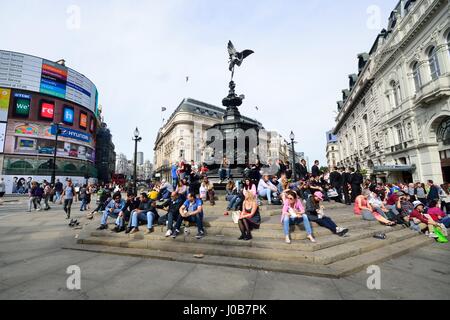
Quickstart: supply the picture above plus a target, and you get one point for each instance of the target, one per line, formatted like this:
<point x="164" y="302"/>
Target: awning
<point x="395" y="168"/>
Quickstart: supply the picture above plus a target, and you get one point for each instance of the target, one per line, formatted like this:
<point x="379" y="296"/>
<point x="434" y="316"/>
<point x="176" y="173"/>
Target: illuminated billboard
<point x="83" y="120"/>
<point x="68" y="115"/>
<point x="47" y="110"/>
<point x="5" y="96"/>
<point x="22" y="103"/>
<point x="21" y="71"/>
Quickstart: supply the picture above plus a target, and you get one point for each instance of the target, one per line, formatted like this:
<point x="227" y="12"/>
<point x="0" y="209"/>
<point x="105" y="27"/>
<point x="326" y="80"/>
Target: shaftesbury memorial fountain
<point x="234" y="138"/>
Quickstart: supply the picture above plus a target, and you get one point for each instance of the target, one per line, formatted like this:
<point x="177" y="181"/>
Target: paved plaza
<point x="33" y="265"/>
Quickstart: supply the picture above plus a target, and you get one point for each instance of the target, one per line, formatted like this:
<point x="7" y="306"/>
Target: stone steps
<point x="331" y="256"/>
<point x="233" y="248"/>
<point x="337" y="269"/>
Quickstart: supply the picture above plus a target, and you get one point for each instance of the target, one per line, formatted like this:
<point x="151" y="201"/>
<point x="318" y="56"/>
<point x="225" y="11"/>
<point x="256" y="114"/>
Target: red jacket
<point x="416" y="214"/>
<point x="436" y="213"/>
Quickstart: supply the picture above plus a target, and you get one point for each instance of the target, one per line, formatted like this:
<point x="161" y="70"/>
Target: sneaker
<point x="116" y="229"/>
<point x="175" y="234"/>
<point x="311" y="238"/>
<point x="149" y="231"/>
<point x="433" y="235"/>
<point x="38" y="209"/>
<point x="200" y="235"/>
<point x="102" y="227"/>
<point x="121" y="229"/>
<point x="341" y="231"/>
<point x="128" y="230"/>
<point x="168" y="233"/>
<point x="288" y="241"/>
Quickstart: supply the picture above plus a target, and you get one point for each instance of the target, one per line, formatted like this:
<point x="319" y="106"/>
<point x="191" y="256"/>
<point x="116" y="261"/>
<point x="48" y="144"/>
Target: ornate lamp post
<point x="136" y="139"/>
<point x="57" y="133"/>
<point x="292" y="137"/>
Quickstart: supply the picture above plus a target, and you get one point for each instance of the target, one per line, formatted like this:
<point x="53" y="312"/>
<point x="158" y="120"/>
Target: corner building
<point x="35" y="94"/>
<point x="394" y="119"/>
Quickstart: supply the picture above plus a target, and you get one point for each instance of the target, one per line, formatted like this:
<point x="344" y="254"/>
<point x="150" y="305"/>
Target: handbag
<point x="235" y="216"/>
<point x="332" y="193"/>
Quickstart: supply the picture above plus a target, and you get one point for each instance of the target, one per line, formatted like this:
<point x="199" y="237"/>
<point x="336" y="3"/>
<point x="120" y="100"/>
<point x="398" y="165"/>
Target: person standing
<point x="300" y="170"/>
<point x="315" y="170"/>
<point x="2" y="188"/>
<point x="336" y="182"/>
<point x="82" y="197"/>
<point x="356" y="181"/>
<point x="47" y="194"/>
<point x="58" y="191"/>
<point x="433" y="193"/>
<point x="68" y="195"/>
<point x="174" y="176"/>
<point x="346" y="179"/>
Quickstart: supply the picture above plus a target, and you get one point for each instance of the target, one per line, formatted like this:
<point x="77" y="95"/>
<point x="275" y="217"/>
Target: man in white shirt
<point x="165" y="190"/>
<point x="266" y="188"/>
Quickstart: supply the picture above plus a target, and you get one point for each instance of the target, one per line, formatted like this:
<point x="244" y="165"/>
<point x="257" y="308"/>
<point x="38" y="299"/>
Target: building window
<point x="416" y="76"/>
<point x="400" y="135"/>
<point x="434" y="64"/>
<point x="448" y="43"/>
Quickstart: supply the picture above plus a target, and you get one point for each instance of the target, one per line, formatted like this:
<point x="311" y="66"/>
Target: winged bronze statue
<point x="236" y="58"/>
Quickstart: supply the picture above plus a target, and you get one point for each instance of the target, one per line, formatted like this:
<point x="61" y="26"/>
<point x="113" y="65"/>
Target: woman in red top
<point x="364" y="209"/>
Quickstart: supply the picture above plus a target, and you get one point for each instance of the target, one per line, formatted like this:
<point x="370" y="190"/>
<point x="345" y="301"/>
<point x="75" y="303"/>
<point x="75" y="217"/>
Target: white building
<point x="333" y="156"/>
<point x="394" y="120"/>
<point x="122" y="166"/>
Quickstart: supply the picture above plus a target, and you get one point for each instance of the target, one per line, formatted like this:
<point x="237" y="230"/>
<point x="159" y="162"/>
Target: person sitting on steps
<point x="293" y="214"/>
<point x="146" y="213"/>
<point x="113" y="209"/>
<point x="266" y="189"/>
<point x="314" y="210"/>
<point x="192" y="211"/>
<point x="249" y="218"/>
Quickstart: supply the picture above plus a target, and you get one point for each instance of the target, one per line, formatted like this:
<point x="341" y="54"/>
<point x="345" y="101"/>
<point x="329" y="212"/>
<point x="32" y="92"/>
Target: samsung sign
<point x="73" y="134"/>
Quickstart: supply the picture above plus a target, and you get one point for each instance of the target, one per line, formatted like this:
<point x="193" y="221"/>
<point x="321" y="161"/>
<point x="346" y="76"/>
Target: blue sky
<point x="138" y="53"/>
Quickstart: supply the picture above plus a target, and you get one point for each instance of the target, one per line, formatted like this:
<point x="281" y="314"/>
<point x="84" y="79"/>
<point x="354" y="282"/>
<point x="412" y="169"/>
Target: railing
<point x="399" y="147"/>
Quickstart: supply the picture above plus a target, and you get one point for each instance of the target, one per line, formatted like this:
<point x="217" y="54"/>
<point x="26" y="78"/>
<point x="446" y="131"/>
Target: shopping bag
<point x="441" y="238"/>
<point x="235" y="216"/>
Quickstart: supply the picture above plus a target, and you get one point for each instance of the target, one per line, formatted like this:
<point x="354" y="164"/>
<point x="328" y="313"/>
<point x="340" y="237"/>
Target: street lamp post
<point x="57" y="132"/>
<point x="136" y="139"/>
<point x="292" y="137"/>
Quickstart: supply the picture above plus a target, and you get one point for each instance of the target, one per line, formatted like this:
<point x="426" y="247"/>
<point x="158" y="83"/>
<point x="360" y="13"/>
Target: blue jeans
<point x="136" y="217"/>
<point x="224" y="173"/>
<point x="197" y="219"/>
<point x="287" y="221"/>
<point x="266" y="193"/>
<point x="234" y="202"/>
<point x="174" y="182"/>
<point x="57" y="196"/>
<point x="445" y="221"/>
<point x="165" y="194"/>
<point x="83" y="205"/>
<point x="280" y="188"/>
<point x="114" y="214"/>
<point x="393" y="208"/>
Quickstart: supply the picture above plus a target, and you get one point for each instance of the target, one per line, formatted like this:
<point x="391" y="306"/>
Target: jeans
<point x="165" y="194"/>
<point x="287" y="221"/>
<point x="381" y="213"/>
<point x="327" y="223"/>
<point x="68" y="206"/>
<point x="266" y="193"/>
<point x="234" y="202"/>
<point x="174" y="182"/>
<point x="83" y="205"/>
<point x="136" y="217"/>
<point x="280" y="188"/>
<point x="114" y="214"/>
<point x="224" y="173"/>
<point x="367" y="215"/>
<point x="445" y="221"/>
<point x="198" y="219"/>
<point x="393" y="208"/>
<point x="57" y="196"/>
<point x="171" y="217"/>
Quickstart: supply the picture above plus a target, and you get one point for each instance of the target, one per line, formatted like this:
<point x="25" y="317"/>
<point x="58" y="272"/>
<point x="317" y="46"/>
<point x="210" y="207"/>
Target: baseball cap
<point x="417" y="203"/>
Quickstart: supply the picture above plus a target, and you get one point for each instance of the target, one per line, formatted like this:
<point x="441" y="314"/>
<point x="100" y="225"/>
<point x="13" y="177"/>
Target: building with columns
<point x="394" y="119"/>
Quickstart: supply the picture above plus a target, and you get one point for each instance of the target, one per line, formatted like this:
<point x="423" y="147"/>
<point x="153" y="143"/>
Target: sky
<point x="138" y="53"/>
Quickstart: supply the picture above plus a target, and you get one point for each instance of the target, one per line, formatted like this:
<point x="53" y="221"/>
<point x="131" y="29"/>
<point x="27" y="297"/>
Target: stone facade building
<point x="394" y="119"/>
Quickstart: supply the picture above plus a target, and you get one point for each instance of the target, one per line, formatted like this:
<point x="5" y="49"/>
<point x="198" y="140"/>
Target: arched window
<point x="434" y="64"/>
<point x="416" y="76"/>
<point x="448" y="43"/>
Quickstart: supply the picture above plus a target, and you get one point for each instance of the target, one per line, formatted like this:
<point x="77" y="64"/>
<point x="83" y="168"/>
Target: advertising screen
<point x="2" y="135"/>
<point x="22" y="104"/>
<point x="92" y="125"/>
<point x="47" y="110"/>
<point x="68" y="115"/>
<point x="5" y="95"/>
<point x="83" y="120"/>
<point x="21" y="71"/>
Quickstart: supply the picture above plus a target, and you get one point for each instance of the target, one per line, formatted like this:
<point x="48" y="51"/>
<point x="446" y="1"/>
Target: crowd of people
<point x="299" y="192"/>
